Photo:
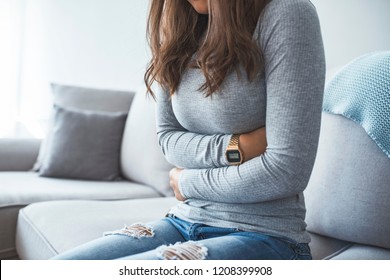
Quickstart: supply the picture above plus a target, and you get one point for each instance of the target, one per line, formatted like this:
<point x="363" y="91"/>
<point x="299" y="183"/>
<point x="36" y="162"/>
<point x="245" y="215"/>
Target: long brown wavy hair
<point x="222" y="41"/>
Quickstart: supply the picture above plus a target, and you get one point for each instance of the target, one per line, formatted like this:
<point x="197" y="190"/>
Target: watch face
<point x="233" y="156"/>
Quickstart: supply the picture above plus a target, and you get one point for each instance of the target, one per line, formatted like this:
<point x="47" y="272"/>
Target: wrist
<point x="247" y="147"/>
<point x="233" y="153"/>
<point x="253" y="144"/>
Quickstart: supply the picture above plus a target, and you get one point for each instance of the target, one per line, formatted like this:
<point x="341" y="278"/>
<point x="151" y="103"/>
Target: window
<point x="11" y="31"/>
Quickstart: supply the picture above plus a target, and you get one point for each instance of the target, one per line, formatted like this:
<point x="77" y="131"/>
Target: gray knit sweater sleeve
<point x="290" y="39"/>
<point x="183" y="148"/>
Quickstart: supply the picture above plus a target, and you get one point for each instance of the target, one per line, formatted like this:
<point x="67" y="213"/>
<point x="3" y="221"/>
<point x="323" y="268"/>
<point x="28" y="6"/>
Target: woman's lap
<point x="127" y="241"/>
<point x="234" y="246"/>
<point x="172" y="238"/>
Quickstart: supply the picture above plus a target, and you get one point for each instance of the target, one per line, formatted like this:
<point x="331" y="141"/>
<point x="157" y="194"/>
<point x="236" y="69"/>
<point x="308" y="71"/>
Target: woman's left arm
<point x="295" y="74"/>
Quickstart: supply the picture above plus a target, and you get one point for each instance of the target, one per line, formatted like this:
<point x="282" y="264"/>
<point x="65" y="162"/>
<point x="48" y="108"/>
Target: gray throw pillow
<point x="84" y="145"/>
<point x="84" y="98"/>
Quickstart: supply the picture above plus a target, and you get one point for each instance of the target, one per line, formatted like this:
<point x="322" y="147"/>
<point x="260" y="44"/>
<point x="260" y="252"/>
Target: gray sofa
<point x="144" y="171"/>
<point x="348" y="196"/>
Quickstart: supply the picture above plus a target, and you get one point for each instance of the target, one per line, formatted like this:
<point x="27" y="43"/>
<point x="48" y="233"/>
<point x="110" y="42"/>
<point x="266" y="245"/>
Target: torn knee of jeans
<point x="182" y="251"/>
<point x="135" y="230"/>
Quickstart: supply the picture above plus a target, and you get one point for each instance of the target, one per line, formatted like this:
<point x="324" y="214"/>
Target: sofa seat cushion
<point x="323" y="246"/>
<point x="8" y="217"/>
<point x="19" y="189"/>
<point x="362" y="252"/>
<point x="22" y="188"/>
<point x="48" y="228"/>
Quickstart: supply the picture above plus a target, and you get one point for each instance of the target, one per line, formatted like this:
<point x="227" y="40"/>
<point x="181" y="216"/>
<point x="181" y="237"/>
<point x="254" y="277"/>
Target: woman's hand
<point x="174" y="182"/>
<point x="253" y="144"/>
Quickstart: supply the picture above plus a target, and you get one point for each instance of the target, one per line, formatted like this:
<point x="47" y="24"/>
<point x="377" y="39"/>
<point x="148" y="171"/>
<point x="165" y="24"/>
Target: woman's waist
<point x="257" y="217"/>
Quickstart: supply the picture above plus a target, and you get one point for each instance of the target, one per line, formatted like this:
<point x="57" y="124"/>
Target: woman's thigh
<point x="235" y="246"/>
<point x="130" y="240"/>
<point x="254" y="246"/>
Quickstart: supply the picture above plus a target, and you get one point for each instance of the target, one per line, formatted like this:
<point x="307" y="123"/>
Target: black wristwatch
<point x="233" y="153"/>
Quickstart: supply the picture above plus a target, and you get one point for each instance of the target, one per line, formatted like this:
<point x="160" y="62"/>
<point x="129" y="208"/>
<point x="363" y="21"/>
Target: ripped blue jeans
<point x="175" y="239"/>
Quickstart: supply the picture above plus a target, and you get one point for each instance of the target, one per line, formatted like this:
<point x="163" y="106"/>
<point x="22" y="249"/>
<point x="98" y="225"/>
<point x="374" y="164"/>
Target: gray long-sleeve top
<point x="264" y="194"/>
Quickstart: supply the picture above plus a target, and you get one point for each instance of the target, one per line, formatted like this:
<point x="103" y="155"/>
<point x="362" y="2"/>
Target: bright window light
<point x="10" y="50"/>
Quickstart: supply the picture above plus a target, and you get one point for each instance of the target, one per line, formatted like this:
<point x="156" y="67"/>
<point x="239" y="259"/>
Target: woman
<point x="225" y="70"/>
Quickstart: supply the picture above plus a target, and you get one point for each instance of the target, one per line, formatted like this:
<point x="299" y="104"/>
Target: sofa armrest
<point x="18" y="154"/>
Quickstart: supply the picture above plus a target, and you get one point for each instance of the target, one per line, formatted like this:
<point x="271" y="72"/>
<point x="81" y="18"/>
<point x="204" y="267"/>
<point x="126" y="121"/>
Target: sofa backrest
<point x="141" y="157"/>
<point x="348" y="195"/>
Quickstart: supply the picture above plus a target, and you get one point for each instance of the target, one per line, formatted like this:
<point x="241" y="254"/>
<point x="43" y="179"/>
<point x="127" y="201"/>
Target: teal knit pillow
<point x="361" y="92"/>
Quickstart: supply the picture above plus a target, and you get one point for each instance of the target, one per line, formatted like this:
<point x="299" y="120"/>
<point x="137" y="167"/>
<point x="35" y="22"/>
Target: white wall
<point x="98" y="43"/>
<point x="101" y="43"/>
<point x="353" y="27"/>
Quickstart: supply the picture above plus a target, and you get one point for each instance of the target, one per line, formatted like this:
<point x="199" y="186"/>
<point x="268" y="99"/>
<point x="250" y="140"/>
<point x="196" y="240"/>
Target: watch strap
<point x="234" y="141"/>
